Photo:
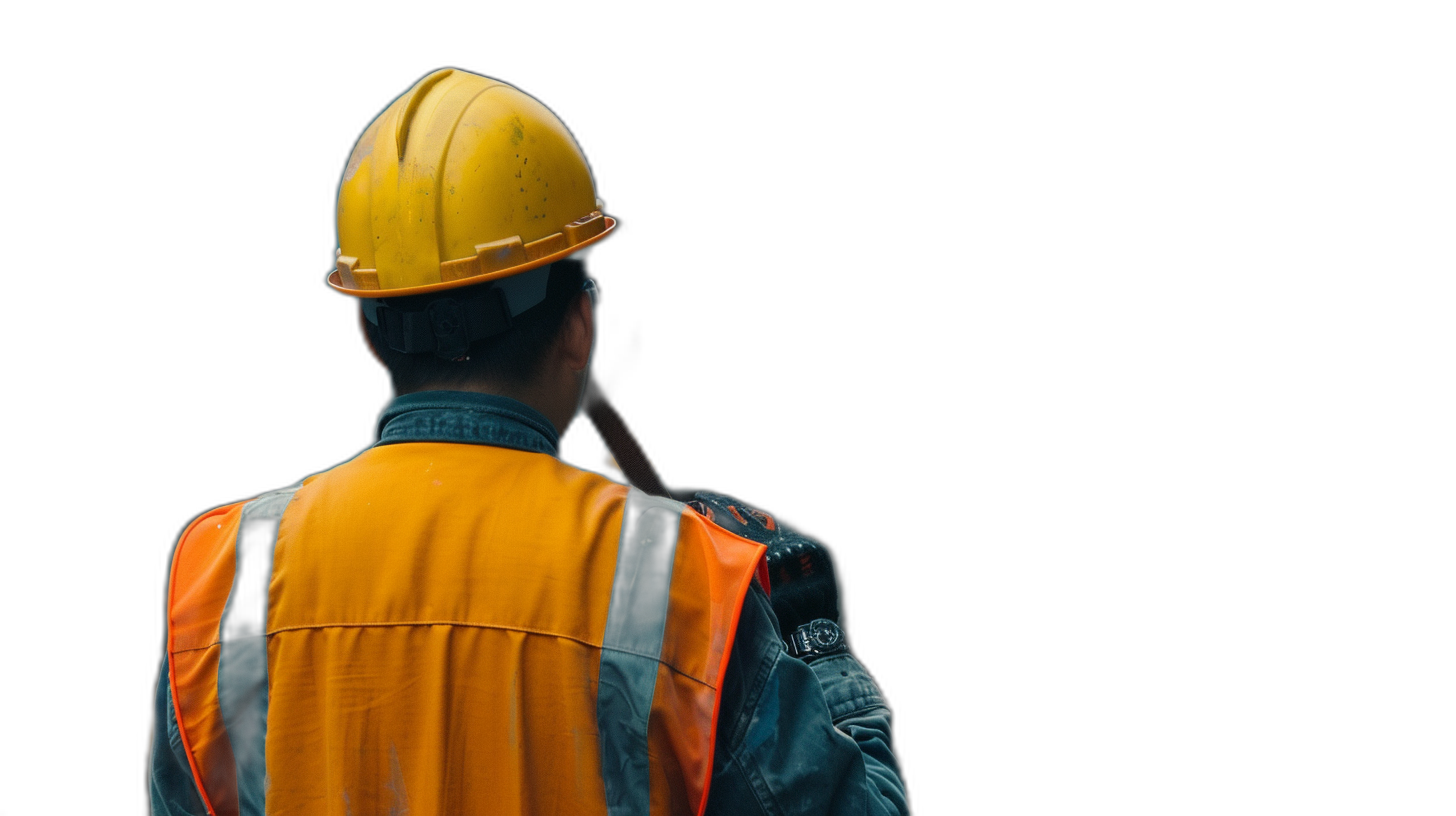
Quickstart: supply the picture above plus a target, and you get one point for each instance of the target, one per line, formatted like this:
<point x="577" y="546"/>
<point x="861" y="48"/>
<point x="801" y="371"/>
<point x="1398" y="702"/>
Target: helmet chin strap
<point x="629" y="455"/>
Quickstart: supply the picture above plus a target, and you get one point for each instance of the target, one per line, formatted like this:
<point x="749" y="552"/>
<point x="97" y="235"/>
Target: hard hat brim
<point x="335" y="281"/>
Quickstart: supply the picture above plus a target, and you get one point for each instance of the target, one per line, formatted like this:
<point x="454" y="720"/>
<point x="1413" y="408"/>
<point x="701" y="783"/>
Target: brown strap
<point x="629" y="455"/>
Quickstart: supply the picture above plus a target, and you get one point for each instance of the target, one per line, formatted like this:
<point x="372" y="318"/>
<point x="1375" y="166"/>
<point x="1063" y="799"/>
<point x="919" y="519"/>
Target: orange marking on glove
<point x="765" y="519"/>
<point x="702" y="509"/>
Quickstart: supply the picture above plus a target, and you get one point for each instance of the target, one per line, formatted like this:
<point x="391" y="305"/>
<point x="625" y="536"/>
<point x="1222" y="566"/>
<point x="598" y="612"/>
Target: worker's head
<point x="458" y="211"/>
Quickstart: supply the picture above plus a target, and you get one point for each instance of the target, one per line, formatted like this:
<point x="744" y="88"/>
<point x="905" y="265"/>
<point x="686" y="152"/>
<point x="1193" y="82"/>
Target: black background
<point x="772" y="324"/>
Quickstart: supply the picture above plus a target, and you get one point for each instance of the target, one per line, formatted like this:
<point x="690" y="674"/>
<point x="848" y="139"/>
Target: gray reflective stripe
<point x="632" y="645"/>
<point x="242" y="667"/>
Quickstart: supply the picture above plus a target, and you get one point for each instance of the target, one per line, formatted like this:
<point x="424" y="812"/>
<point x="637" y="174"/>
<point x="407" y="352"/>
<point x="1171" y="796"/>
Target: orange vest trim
<point x="202" y="576"/>
<point x="739" y="562"/>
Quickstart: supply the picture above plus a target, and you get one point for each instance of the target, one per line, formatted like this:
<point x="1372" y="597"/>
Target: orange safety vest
<point x="453" y="628"/>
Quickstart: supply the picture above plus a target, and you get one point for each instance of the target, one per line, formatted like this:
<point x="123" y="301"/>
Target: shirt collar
<point x="469" y="417"/>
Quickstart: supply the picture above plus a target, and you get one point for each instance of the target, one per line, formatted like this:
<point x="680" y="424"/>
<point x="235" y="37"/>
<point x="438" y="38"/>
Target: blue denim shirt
<point x="793" y="738"/>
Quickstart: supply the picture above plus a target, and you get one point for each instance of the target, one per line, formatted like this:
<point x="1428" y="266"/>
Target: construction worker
<point x="454" y="621"/>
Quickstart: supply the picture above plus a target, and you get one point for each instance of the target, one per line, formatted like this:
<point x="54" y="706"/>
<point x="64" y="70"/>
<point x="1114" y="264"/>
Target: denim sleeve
<point x="173" y="790"/>
<point x="795" y="738"/>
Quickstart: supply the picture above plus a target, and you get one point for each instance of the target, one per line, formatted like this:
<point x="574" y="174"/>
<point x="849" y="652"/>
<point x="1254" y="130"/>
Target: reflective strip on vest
<point x="219" y="652"/>
<point x="632" y="646"/>
<point x="242" y="669"/>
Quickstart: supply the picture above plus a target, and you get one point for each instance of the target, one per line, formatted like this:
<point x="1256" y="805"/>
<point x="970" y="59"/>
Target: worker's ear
<point x="578" y="332"/>
<point x="369" y="338"/>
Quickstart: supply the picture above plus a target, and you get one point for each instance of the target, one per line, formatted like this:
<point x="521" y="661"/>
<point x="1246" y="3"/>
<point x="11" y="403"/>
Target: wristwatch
<point x="816" y="639"/>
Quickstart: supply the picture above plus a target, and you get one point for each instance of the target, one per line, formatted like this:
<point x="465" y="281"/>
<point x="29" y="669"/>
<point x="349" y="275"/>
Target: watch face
<point x="824" y="634"/>
<point x="816" y="638"/>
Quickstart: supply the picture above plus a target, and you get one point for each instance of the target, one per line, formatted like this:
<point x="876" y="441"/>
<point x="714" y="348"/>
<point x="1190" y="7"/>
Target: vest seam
<point x="380" y="624"/>
<point x="471" y="624"/>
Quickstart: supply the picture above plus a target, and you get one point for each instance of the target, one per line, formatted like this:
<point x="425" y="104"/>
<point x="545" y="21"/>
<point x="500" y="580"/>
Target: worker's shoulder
<point x="219" y="524"/>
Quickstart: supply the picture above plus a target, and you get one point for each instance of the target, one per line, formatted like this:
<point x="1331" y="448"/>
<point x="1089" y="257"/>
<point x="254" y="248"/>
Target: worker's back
<point x="453" y="628"/>
<point x="456" y="623"/>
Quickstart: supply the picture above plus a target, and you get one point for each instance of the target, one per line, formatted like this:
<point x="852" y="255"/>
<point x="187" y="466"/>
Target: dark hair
<point x="512" y="357"/>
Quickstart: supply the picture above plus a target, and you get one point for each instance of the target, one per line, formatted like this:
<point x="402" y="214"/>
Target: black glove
<point x="802" y="586"/>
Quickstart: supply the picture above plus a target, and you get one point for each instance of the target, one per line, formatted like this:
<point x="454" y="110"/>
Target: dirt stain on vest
<point x="399" y="804"/>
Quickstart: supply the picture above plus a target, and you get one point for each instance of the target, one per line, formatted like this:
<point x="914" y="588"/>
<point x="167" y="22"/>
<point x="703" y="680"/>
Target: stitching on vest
<point x="380" y="624"/>
<point x="471" y="624"/>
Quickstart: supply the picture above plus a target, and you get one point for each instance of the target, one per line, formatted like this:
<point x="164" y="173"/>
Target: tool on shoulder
<point x="622" y="444"/>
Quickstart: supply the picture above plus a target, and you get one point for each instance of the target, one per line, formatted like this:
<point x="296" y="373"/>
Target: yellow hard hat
<point x="462" y="180"/>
